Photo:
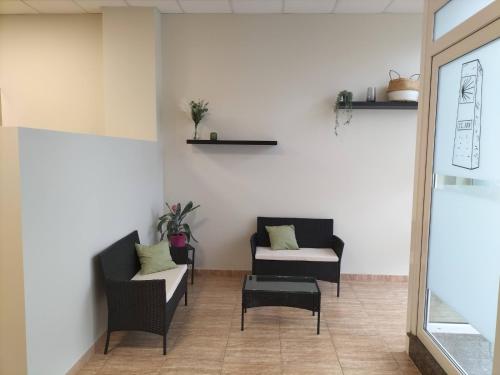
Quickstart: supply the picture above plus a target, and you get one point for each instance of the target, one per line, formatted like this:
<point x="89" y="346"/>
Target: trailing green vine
<point x="343" y="108"/>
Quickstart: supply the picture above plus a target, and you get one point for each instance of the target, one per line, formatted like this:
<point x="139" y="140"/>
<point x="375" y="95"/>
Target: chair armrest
<point x="253" y="244"/>
<point x="338" y="246"/>
<point x="136" y="304"/>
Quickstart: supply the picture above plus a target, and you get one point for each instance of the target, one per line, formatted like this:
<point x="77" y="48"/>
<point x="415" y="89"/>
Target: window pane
<point x="454" y="12"/>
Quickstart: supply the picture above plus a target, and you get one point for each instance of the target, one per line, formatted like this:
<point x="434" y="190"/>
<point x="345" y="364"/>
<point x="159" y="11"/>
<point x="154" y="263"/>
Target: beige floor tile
<point x="85" y="371"/>
<point x="143" y="362"/>
<point x="395" y="343"/>
<point x="300" y="369"/>
<point x="370" y="371"/>
<point x="192" y="346"/>
<point x="191" y="366"/>
<point x="199" y="331"/>
<point x="256" y="342"/>
<point x="351" y="328"/>
<point x="358" y="343"/>
<point x="250" y="369"/>
<point x="362" y="333"/>
<point x="95" y="363"/>
<point x="367" y="360"/>
<point x="256" y="356"/>
<point x="122" y="370"/>
<point x="320" y="353"/>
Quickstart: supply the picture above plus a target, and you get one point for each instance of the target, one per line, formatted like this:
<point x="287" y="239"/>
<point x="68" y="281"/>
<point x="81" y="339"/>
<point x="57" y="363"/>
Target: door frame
<point x="471" y="43"/>
<point x="480" y="29"/>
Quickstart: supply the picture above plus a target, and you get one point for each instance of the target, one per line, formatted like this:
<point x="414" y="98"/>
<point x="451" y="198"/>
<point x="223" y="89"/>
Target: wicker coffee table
<point x="292" y="291"/>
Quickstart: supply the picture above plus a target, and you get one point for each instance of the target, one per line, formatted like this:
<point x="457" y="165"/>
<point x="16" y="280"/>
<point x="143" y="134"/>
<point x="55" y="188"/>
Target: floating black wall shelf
<point x="230" y="142"/>
<point x="384" y="105"/>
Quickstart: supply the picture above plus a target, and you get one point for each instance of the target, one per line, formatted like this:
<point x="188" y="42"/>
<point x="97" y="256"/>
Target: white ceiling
<point x="216" y="6"/>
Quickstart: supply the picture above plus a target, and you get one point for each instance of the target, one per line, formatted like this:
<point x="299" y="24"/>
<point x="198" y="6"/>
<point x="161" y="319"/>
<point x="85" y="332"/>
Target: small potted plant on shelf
<point x="199" y="110"/>
<point x="343" y="109"/>
<point x="171" y="224"/>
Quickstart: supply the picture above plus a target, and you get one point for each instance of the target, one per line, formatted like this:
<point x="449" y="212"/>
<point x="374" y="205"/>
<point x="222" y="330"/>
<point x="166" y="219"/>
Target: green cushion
<point x="282" y="237"/>
<point x="154" y="258"/>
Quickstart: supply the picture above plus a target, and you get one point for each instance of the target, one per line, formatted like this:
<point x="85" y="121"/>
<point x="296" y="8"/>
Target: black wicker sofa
<point x="320" y="253"/>
<point x="139" y="302"/>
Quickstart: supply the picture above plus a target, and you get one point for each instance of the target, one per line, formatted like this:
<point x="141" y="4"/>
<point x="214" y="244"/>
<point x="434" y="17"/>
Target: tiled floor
<point x="362" y="332"/>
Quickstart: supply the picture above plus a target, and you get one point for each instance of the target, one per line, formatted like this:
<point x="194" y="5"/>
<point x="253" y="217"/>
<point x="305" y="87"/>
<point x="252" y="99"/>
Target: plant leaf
<point x="159" y="226"/>
<point x="169" y="208"/>
<point x="187" y="208"/>
<point x="187" y="230"/>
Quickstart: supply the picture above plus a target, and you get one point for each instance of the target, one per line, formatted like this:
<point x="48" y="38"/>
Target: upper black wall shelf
<point x="384" y="105"/>
<point x="230" y="142"/>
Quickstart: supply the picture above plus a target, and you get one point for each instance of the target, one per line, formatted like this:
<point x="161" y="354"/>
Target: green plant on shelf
<point x="343" y="109"/>
<point x="199" y="110"/>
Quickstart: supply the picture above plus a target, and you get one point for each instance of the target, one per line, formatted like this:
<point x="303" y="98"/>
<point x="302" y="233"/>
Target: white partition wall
<point x="79" y="194"/>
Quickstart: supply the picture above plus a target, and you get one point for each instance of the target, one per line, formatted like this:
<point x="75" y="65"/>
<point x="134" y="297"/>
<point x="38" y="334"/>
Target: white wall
<point x="80" y="193"/>
<point x="51" y="72"/>
<point x="276" y="77"/>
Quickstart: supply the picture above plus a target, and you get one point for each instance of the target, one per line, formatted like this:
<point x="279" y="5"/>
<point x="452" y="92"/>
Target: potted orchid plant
<point x="171" y="224"/>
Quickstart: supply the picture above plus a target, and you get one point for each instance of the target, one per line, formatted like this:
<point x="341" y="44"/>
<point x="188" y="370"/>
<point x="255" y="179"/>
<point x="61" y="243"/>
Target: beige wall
<point x="51" y="72"/>
<point x="131" y="73"/>
<point x="12" y="316"/>
<point x="97" y="74"/>
<point x="276" y="77"/>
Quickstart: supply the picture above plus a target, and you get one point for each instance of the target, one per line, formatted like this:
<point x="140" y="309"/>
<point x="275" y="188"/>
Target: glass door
<point x="459" y="295"/>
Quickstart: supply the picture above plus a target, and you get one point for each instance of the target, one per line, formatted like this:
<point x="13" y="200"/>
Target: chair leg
<point x="185" y="298"/>
<point x="108" y="334"/>
<point x="338" y="288"/>
<point x="164" y="344"/>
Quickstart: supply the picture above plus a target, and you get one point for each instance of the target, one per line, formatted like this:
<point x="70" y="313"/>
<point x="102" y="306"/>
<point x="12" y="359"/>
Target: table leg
<point x="317" y="331"/>
<point x="242" y="317"/>
<point x="192" y="270"/>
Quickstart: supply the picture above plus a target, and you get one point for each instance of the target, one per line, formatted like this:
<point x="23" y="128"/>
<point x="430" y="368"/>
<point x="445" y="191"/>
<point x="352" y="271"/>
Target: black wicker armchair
<point x="136" y="305"/>
<point x="322" y="258"/>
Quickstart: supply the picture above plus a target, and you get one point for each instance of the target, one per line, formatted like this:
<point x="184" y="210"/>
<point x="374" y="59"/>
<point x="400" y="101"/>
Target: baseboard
<point x="367" y="277"/>
<point x="228" y="273"/>
<point x="343" y="277"/>
<point x="87" y="355"/>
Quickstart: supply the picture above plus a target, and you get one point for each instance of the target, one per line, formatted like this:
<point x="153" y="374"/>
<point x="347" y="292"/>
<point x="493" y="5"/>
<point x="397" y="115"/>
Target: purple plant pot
<point x="177" y="240"/>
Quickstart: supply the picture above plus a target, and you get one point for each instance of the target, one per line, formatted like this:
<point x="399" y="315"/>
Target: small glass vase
<point x="195" y="135"/>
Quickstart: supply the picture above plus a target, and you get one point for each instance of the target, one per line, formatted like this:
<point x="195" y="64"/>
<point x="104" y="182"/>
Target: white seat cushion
<point x="303" y="254"/>
<point x="172" y="278"/>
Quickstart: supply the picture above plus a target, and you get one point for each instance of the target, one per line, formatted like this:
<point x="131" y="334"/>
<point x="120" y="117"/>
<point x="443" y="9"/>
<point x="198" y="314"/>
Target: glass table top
<point x="290" y="284"/>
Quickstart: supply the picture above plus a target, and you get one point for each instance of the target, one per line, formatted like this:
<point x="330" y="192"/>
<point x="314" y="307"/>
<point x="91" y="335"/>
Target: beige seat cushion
<point x="172" y="278"/>
<point x="303" y="254"/>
